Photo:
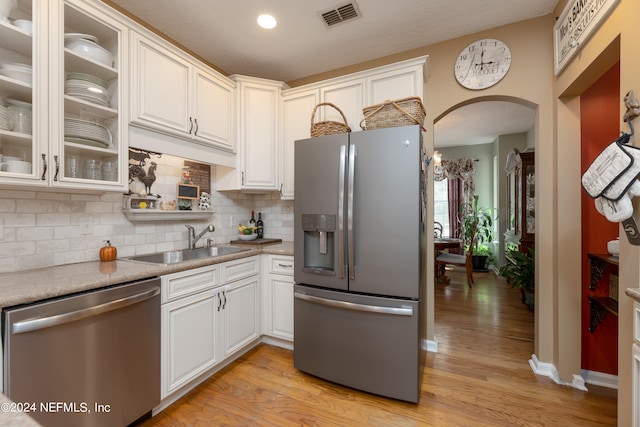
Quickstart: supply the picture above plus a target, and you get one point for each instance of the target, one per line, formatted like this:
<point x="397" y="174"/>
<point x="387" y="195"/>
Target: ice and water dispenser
<point x="319" y="234"/>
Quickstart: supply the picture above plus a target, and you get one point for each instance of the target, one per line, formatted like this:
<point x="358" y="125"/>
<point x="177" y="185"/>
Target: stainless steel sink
<point x="172" y="257"/>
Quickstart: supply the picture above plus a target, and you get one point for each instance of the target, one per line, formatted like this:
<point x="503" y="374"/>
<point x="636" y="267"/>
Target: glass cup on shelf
<point x="93" y="169"/>
<point x="73" y="166"/>
<point x="110" y="171"/>
<point x="19" y="119"/>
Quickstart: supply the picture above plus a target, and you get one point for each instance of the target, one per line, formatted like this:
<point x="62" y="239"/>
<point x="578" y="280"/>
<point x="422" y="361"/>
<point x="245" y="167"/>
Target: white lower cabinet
<point x="208" y="315"/>
<point x="189" y="341"/>
<point x="278" y="297"/>
<point x="240" y="314"/>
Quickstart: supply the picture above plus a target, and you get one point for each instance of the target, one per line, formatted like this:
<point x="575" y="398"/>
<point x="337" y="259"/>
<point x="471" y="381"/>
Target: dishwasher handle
<point x="398" y="311"/>
<point x="30" y="325"/>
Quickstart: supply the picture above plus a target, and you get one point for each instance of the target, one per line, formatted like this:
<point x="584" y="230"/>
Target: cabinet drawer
<point x="636" y="322"/>
<point x="239" y="269"/>
<point x="281" y="265"/>
<point x="178" y="285"/>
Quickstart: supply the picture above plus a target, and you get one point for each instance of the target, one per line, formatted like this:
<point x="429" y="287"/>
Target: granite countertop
<point x="11" y="417"/>
<point x="633" y="293"/>
<point x="28" y="286"/>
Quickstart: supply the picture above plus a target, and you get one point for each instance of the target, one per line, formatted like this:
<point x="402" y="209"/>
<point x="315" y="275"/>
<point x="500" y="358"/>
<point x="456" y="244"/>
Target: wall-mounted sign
<point x="579" y="20"/>
<point x="188" y="191"/>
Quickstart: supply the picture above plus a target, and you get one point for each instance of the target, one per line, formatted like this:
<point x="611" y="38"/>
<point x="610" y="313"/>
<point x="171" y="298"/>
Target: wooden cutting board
<point x="259" y="242"/>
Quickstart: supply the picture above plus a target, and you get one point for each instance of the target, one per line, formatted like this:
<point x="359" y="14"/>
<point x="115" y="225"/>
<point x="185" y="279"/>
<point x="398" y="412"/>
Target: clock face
<point x="482" y="64"/>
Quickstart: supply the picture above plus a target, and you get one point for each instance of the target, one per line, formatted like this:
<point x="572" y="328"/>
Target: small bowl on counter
<point x="247" y="236"/>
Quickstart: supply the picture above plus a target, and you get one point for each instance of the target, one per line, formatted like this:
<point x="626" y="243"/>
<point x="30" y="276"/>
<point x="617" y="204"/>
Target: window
<point x="441" y="205"/>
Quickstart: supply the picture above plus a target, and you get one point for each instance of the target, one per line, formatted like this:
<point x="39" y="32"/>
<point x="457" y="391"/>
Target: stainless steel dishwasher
<point x="90" y="359"/>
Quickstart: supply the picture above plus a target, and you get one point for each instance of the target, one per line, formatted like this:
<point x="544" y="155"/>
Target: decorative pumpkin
<point x="108" y="253"/>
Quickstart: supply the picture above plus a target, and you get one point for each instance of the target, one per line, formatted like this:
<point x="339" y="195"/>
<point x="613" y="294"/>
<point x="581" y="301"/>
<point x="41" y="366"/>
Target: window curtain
<point x="454" y="199"/>
<point x="461" y="174"/>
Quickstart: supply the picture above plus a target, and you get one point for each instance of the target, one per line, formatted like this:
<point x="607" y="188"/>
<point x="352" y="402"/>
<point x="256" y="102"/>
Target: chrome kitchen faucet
<point x="191" y="233"/>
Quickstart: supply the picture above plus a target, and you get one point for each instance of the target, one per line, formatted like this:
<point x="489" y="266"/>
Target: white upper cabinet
<point x="395" y="84"/>
<point x="173" y="94"/>
<point x="161" y="87"/>
<point x="213" y="109"/>
<point x="350" y="94"/>
<point x="51" y="116"/>
<point x="88" y="126"/>
<point x="258" y="142"/>
<point x="296" y="124"/>
<point x="23" y="95"/>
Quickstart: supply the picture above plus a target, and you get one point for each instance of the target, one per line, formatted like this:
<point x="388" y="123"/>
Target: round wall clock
<point x="482" y="64"/>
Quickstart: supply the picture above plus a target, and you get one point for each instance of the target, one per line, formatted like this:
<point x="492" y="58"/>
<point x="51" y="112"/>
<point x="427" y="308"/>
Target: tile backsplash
<point x="44" y="228"/>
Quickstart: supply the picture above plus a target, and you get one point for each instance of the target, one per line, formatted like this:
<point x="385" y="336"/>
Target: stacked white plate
<point x="86" y="132"/>
<point x="4" y="125"/>
<point x="16" y="71"/>
<point x="88" y="88"/>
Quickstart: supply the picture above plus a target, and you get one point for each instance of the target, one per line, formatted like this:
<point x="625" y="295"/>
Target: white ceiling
<point x="225" y="34"/>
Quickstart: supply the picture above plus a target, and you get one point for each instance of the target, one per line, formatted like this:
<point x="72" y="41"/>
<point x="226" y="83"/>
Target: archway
<point x="486" y="129"/>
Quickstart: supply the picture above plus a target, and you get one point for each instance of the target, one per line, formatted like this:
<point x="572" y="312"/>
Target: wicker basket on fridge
<point x="401" y="112"/>
<point x="328" y="127"/>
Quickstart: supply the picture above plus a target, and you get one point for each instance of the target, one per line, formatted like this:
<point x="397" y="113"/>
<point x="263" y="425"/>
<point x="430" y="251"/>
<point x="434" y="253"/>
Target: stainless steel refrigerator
<point x="359" y="252"/>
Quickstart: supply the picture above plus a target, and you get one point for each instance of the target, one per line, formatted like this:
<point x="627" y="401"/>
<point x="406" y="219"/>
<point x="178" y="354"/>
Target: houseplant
<point x="482" y="256"/>
<point x="476" y="230"/>
<point x="520" y="269"/>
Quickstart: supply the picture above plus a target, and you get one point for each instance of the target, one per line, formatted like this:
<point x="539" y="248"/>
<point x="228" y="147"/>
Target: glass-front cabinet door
<point x="89" y="151"/>
<point x="22" y="90"/>
<point x="61" y="119"/>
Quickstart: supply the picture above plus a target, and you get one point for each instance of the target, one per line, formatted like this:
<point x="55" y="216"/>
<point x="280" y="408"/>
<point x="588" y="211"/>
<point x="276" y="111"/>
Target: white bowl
<point x="247" y="236"/>
<point x="24" y="24"/>
<point x="90" y="50"/>
<point x="613" y="247"/>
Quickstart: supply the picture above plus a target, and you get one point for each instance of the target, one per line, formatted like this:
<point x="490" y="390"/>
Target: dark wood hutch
<point x="521" y="201"/>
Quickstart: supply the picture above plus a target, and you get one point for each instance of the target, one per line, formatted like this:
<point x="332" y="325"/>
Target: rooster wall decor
<point x="147" y="178"/>
<point x="137" y="159"/>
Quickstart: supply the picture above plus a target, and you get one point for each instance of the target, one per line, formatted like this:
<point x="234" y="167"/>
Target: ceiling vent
<point x="340" y="14"/>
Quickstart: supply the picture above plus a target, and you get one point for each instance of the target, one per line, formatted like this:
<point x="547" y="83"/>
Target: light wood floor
<point x="480" y="376"/>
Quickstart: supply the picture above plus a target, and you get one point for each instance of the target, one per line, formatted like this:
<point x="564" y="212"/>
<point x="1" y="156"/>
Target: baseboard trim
<point x="277" y="342"/>
<point x="600" y="379"/>
<point x="550" y="371"/>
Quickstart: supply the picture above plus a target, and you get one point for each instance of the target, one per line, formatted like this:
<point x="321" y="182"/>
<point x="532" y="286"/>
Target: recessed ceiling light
<point x="267" y="21"/>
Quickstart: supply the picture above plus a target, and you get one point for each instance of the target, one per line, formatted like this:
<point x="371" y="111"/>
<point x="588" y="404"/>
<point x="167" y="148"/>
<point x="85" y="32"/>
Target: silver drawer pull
<point x="29" y="325"/>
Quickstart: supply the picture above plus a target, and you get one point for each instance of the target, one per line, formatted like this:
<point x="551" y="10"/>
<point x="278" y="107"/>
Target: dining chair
<point x="445" y="258"/>
<point x="437" y="230"/>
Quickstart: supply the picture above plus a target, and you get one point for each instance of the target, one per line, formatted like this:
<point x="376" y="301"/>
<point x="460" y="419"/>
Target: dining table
<point x="439" y="245"/>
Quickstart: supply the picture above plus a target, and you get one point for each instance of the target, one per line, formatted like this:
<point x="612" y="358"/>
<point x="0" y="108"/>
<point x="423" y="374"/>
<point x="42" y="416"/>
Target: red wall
<point x="599" y="126"/>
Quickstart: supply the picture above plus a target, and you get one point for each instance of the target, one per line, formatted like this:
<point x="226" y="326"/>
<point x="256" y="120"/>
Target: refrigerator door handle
<point x="343" y="156"/>
<point x="350" y="209"/>
<point x="397" y="311"/>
